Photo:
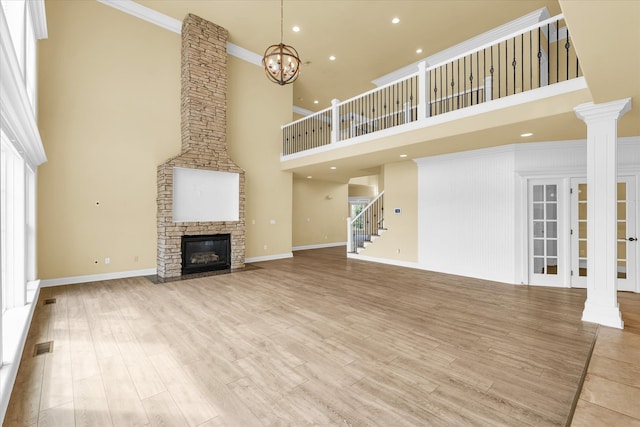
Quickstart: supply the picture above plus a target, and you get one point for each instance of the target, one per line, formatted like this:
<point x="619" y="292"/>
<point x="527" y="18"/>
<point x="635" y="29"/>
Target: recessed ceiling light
<point x="524" y="135"/>
<point x="395" y="20"/>
<point x="296" y="29"/>
<point x="309" y="177"/>
<point x="316" y="101"/>
<point x="418" y="50"/>
<point x="332" y="58"/>
<point x="403" y="155"/>
<point x="333" y="168"/>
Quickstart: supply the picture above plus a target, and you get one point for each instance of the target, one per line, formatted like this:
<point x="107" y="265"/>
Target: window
<point x="12" y="217"/>
<point x="15" y="13"/>
<point x="22" y="23"/>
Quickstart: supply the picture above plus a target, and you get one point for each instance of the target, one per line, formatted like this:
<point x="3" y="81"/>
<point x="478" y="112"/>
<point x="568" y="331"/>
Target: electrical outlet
<point x="107" y="260"/>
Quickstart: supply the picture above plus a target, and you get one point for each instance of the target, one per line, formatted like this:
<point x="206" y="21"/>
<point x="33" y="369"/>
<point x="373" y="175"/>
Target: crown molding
<point x="302" y="111"/>
<point x="146" y="14"/>
<point x="470" y="44"/>
<point x="174" y="25"/>
<point x="244" y="54"/>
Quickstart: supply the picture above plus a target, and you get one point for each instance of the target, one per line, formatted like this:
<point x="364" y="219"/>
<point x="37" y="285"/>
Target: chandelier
<point x="281" y="62"/>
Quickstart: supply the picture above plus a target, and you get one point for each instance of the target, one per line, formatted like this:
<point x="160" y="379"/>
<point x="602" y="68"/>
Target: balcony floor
<point x="546" y="112"/>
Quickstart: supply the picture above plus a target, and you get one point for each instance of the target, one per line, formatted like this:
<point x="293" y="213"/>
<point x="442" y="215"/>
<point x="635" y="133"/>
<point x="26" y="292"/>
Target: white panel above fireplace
<point x="203" y="195"/>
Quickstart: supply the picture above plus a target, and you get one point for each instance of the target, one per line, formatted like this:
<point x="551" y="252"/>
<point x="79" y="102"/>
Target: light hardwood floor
<point x="312" y="340"/>
<point x="611" y="391"/>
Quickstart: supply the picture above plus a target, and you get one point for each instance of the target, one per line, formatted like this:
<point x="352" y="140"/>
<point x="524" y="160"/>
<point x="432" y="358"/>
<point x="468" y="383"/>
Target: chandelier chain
<point x="281" y="21"/>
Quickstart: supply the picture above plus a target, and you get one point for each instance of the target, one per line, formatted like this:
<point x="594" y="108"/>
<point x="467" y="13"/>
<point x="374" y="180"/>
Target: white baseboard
<point x="268" y="258"/>
<point x="96" y="277"/>
<point x="399" y="263"/>
<point x="323" y="245"/>
<point x="20" y="323"/>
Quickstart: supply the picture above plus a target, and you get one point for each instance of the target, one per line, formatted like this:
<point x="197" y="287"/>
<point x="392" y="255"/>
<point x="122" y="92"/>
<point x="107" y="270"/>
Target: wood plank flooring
<point x="611" y="391"/>
<point x="313" y="340"/>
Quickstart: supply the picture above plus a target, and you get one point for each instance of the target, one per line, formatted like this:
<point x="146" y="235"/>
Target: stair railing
<point x="365" y="224"/>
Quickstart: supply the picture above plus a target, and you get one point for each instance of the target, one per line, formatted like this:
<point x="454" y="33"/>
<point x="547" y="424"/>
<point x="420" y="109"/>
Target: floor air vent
<point x="43" y="348"/>
<point x="49" y="301"/>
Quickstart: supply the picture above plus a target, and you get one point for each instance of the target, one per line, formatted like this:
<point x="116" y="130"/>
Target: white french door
<point x="626" y="234"/>
<point x="545" y="229"/>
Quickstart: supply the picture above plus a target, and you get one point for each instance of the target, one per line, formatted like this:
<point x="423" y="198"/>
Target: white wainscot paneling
<point x="569" y="158"/>
<point x="471" y="220"/>
<point x="467" y="214"/>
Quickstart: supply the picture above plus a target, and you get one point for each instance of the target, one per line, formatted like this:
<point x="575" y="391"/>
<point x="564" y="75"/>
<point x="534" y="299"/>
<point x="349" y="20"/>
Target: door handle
<point x="632" y="239"/>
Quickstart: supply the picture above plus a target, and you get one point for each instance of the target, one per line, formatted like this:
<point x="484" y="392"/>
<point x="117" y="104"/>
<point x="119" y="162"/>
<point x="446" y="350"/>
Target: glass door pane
<point x="544" y="244"/>
<point x="622" y="230"/>
<point x="625" y="217"/>
<point x="582" y="230"/>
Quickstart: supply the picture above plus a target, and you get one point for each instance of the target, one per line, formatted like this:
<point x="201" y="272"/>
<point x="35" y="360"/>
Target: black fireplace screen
<point x="206" y="253"/>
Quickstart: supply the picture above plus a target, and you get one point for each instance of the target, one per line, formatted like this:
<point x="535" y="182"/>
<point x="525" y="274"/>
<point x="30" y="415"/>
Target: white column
<point x="423" y="87"/>
<point x="335" y="120"/>
<point x="601" y="305"/>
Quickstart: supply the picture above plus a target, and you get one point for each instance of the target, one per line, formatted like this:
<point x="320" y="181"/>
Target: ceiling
<point x="367" y="45"/>
<point x="358" y="33"/>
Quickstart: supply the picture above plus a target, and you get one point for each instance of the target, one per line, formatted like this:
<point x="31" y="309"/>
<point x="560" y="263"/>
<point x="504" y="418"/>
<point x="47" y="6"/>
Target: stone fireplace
<point x="202" y="253"/>
<point x="204" y="145"/>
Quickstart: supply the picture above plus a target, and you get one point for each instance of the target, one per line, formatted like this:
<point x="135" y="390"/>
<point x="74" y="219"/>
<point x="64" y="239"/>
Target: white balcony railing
<point x="539" y="55"/>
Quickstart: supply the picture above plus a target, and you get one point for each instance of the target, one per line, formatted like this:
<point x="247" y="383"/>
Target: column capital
<point x="606" y="111"/>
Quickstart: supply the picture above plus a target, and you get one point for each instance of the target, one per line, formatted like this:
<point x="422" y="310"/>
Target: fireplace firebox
<point x="206" y="253"/>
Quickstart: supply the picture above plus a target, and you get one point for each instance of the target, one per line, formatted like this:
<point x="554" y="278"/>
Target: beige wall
<point x="356" y="190"/>
<point x="364" y="186"/>
<point x="109" y="114"/>
<point x="320" y="211"/>
<point x="255" y="110"/>
<point x="400" y="241"/>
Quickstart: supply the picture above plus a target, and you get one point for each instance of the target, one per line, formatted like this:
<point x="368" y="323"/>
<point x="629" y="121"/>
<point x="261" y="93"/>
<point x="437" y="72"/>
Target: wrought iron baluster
<point x="458" y="84"/>
<point x="539" y="58"/>
<point x="477" y="77"/>
<point x="464" y="88"/>
<point x="440" y="89"/>
<point x="548" y="55"/>
<point x="293" y="140"/>
<point x="522" y="63"/>
<point x="557" y="52"/>
<point x="446" y="79"/>
<point x="506" y="68"/>
<point x="491" y="73"/>
<point x="499" y="66"/>
<point x="566" y="46"/>
<point x="514" y="65"/>
<point x="484" y="75"/>
<point x="530" y="61"/>
<point x="435" y="92"/>
<point x="400" y="95"/>
<point x="470" y="93"/>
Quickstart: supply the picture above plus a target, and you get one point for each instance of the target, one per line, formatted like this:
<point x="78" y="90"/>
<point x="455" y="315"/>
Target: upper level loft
<point x="525" y="75"/>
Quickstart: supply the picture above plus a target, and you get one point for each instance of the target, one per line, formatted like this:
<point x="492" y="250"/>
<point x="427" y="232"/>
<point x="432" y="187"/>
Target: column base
<point x="603" y="315"/>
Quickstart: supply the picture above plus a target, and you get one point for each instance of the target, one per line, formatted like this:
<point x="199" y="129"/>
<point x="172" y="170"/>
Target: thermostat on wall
<point x="397" y="211"/>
